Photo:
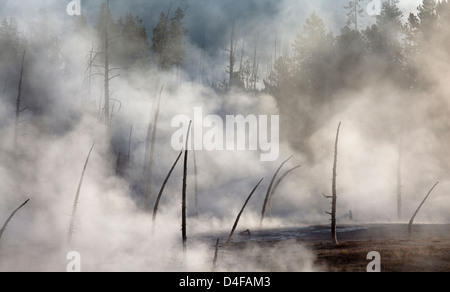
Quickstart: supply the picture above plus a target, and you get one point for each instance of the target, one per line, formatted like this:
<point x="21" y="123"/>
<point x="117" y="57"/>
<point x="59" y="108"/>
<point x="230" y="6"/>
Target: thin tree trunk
<point x="106" y="90"/>
<point x="118" y="163"/>
<point x="255" y="65"/>
<point x="10" y="217"/>
<point x="19" y="97"/>
<point x="399" y="181"/>
<point x="77" y="196"/>
<point x="240" y="213"/>
<point x="148" y="191"/>
<point x="266" y="200"/>
<point x="334" y="193"/>
<point x="232" y="59"/>
<point x="129" y="145"/>
<point x="275" y="187"/>
<point x="155" y="209"/>
<point x="216" y="253"/>
<point x="183" y="203"/>
<point x="417" y="211"/>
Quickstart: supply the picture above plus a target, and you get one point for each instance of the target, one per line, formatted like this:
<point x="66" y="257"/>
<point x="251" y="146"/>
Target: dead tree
<point x="106" y="55"/>
<point x="216" y="253"/>
<point x="155" y="209"/>
<point x="129" y="145"/>
<point x="240" y="213"/>
<point x="277" y="184"/>
<point x="107" y="71"/>
<point x="18" y="101"/>
<point x="333" y="197"/>
<point x="183" y="202"/>
<point x="77" y="196"/>
<point x="148" y="190"/>
<point x="255" y="67"/>
<point x="10" y="217"/>
<point x="267" y="198"/>
<point x="232" y="51"/>
<point x="417" y="211"/>
<point x="118" y="163"/>
<point x="399" y="180"/>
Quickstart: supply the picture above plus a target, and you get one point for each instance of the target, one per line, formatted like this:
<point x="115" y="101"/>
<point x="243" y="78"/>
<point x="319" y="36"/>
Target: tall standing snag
<point x="399" y="180"/>
<point x="417" y="211"/>
<point x="183" y="203"/>
<point x="333" y="197"/>
<point x="10" y="217"/>
<point x="242" y="210"/>
<point x="77" y="196"/>
<point x="19" y="97"/>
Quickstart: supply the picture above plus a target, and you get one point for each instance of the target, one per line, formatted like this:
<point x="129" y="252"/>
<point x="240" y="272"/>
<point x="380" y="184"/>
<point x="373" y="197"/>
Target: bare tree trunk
<point x="155" y="209"/>
<point x="275" y="187"/>
<point x="255" y="65"/>
<point x="417" y="211"/>
<point x="242" y="210"/>
<point x="266" y="200"/>
<point x="216" y="253"/>
<point x="10" y="217"/>
<point x="19" y="97"/>
<point x="118" y="163"/>
<point x="399" y="181"/>
<point x="334" y="193"/>
<point x="232" y="59"/>
<point x="77" y="196"/>
<point x="333" y="197"/>
<point x="148" y="191"/>
<point x="183" y="203"/>
<point x="129" y="145"/>
<point x="106" y="53"/>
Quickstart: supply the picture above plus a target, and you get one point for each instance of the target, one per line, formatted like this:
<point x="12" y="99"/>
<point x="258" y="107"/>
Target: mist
<point x="62" y="116"/>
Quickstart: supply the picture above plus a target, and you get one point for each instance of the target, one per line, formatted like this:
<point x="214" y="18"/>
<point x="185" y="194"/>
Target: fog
<point x="113" y="229"/>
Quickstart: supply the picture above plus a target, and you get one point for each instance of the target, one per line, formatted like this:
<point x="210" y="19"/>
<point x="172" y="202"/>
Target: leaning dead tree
<point x="333" y="197"/>
<point x="10" y="217"/>
<point x="240" y="213"/>
<point x="155" y="209"/>
<point x="216" y="253"/>
<point x="183" y="201"/>
<point x="417" y="211"/>
<point x="277" y="184"/>
<point x="77" y="196"/>
<point x="267" y="198"/>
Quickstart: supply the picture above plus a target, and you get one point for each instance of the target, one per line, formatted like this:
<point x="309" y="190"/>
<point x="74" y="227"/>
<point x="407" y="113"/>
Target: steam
<point x="113" y="231"/>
